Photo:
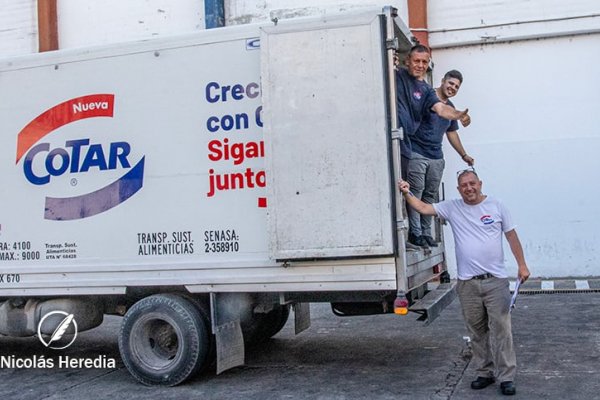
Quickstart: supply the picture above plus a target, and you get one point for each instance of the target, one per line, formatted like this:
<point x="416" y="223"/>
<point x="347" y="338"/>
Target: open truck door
<point x="332" y="148"/>
<point x="327" y="148"/>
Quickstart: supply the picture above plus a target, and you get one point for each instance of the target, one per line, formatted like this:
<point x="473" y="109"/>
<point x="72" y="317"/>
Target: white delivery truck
<point x="203" y="185"/>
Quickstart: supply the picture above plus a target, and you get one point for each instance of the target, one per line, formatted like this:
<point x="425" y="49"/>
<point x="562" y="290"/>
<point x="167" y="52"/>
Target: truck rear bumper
<point x="432" y="304"/>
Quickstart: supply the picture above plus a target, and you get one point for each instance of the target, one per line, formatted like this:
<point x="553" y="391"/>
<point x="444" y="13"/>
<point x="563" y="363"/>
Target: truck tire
<point x="276" y="321"/>
<point x="211" y="355"/>
<point x="265" y="326"/>
<point x="164" y="340"/>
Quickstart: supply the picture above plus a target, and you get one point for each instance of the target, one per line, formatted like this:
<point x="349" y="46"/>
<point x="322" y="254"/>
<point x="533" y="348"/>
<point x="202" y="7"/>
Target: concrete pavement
<point x="373" y="357"/>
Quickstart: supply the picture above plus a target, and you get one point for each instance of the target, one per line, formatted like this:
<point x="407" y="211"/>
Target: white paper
<point x="514" y="296"/>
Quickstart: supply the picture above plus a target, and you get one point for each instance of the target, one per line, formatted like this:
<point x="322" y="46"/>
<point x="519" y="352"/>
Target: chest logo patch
<point x="487" y="219"/>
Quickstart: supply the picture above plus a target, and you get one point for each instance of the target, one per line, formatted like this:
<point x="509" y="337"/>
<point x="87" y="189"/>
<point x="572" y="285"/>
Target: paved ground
<point x="380" y="357"/>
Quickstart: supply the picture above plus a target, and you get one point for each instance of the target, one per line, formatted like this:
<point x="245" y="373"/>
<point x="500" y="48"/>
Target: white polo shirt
<point x="477" y="233"/>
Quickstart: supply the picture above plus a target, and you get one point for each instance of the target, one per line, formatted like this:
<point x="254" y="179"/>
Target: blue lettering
<point x="215" y="92"/>
<point x="76" y="152"/>
<point x="212" y="124"/>
<point x="58" y="160"/>
<point x="94" y="158"/>
<point x="252" y="90"/>
<point x="209" y="96"/>
<point x="28" y="165"/>
<point x="258" y="116"/>
<point x="120" y="151"/>
<point x="64" y="164"/>
<point x="237" y="92"/>
<point x="228" y="122"/>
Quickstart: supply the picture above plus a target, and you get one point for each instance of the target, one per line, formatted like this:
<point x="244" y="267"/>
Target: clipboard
<point x="513" y="299"/>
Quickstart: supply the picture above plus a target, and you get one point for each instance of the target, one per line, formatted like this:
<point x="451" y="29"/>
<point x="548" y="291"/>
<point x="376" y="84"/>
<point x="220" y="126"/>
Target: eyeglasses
<point x="464" y="171"/>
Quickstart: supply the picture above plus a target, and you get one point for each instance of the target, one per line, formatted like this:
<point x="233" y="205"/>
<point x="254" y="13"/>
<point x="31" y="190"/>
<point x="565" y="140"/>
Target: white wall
<point x="535" y="137"/>
<point x="456" y="22"/>
<point x="18" y="27"/>
<point x="249" y="11"/>
<point x="86" y="23"/>
<point x="535" y="126"/>
<point x="91" y="22"/>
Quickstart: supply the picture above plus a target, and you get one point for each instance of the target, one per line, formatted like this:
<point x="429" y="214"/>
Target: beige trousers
<point x="485" y="307"/>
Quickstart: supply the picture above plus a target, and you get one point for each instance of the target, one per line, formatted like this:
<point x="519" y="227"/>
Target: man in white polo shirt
<point x="478" y="222"/>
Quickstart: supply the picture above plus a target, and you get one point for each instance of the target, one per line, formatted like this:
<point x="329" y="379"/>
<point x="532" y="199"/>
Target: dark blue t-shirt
<point x="415" y="99"/>
<point x="427" y="141"/>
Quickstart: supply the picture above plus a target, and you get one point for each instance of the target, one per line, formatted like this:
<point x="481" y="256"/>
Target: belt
<point x="483" y="276"/>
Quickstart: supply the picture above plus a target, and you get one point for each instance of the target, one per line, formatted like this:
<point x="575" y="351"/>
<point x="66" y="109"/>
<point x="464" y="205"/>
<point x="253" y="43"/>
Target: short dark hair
<point x="454" y="74"/>
<point x="464" y="172"/>
<point x="419" y="48"/>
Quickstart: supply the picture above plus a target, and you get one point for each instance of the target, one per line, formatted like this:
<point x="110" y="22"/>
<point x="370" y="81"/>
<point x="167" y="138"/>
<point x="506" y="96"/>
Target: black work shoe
<point x="508" y="388"/>
<point x="412" y="247"/>
<point x="429" y="240"/>
<point x="416" y="240"/>
<point x="482" y="382"/>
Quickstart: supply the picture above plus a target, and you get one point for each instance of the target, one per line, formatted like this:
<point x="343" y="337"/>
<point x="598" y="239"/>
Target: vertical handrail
<point x="396" y="135"/>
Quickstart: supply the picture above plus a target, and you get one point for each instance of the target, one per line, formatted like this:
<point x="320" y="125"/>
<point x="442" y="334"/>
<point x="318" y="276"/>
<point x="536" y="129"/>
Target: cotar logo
<point x="77" y="156"/>
<point x="49" y="323"/>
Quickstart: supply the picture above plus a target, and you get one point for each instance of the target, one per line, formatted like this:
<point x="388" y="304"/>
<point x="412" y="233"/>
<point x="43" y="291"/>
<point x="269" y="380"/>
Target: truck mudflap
<point x="432" y="304"/>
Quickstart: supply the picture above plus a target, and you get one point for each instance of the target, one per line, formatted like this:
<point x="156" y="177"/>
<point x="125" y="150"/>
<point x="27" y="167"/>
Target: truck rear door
<point x="326" y="126"/>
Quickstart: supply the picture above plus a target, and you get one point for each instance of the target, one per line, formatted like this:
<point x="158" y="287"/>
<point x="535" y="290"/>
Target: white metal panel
<point x="18" y="32"/>
<point x="65" y="291"/>
<point x="326" y="132"/>
<point x="365" y="274"/>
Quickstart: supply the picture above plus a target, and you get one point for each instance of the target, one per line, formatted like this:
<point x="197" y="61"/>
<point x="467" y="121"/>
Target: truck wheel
<point x="263" y="326"/>
<point x="164" y="340"/>
<point x="211" y="355"/>
<point x="276" y="320"/>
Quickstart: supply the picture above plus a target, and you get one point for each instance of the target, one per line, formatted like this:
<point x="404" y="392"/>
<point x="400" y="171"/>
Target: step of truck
<point x="431" y="305"/>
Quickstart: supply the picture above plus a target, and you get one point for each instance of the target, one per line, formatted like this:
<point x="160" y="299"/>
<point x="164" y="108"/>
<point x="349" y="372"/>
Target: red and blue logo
<point x="41" y="162"/>
<point x="487" y="219"/>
